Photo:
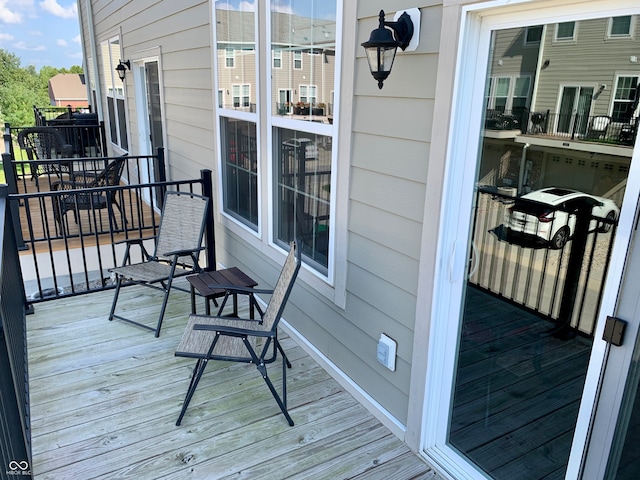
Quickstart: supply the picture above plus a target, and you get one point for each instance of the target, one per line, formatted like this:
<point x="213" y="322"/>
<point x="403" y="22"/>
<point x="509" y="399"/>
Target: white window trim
<point x="629" y="35"/>
<point x="116" y="96"/>
<point x="465" y="114"/>
<point x="537" y="42"/>
<point x="232" y="57"/>
<point x="276" y="57"/>
<point x="293" y="60"/>
<point x="614" y="87"/>
<point x="333" y="285"/>
<point x="571" y="39"/>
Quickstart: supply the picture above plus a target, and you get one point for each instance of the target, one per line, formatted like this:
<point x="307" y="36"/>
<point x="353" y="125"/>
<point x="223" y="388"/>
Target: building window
<point x="297" y="60"/>
<point x="520" y="97"/>
<point x="230" y="58"/>
<point x="116" y="111"/>
<point x="565" y="31"/>
<point x="241" y="95"/>
<point x="240" y="170"/>
<point x="501" y="93"/>
<point x="302" y="155"/>
<point x="620" y="26"/>
<point x="277" y="58"/>
<point x="308" y="94"/>
<point x="625" y="94"/>
<point x="533" y="35"/>
<point x="302" y="193"/>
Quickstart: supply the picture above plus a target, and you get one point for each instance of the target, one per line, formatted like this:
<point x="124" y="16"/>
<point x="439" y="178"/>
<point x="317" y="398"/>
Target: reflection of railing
<point x="527" y="272"/>
<point x="576" y="126"/>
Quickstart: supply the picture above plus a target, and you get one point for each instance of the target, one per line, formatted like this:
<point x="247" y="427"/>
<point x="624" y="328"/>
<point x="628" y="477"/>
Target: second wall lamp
<point x="122" y="68"/>
<point x="384" y="42"/>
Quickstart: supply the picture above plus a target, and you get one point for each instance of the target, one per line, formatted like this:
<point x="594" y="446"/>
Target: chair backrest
<point x="283" y="287"/>
<point x="600" y="123"/>
<point x="182" y="223"/>
<point x="110" y="176"/>
<point x="42" y="142"/>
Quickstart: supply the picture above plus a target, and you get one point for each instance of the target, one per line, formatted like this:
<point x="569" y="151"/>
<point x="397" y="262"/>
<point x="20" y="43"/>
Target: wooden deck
<point x="105" y="397"/>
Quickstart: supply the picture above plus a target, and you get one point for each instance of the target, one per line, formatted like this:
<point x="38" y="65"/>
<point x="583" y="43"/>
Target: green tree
<point x="22" y="88"/>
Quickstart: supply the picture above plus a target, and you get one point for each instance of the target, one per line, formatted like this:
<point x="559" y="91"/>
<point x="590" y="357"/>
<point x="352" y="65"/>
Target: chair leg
<point x="115" y="298"/>
<point x="167" y="291"/>
<point x="282" y="402"/>
<point x="198" y="370"/>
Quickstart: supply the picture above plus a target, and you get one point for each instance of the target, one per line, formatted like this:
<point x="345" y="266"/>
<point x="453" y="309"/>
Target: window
<point x="277" y="58"/>
<point x="241" y="95"/>
<point x="297" y="60"/>
<point x="565" y="31"/>
<point x="501" y="93"/>
<point x="303" y="181"/>
<point x="533" y="35"/>
<point x="238" y="139"/>
<point x="625" y="94"/>
<point x="520" y="93"/>
<point x="308" y="94"/>
<point x="230" y="57"/>
<point x="116" y="111"/>
<point x="620" y="26"/>
<point x="300" y="163"/>
<point x="240" y="170"/>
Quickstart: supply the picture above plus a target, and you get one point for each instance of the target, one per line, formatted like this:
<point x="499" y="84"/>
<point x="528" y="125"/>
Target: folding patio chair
<point x="237" y="340"/>
<point x="177" y="247"/>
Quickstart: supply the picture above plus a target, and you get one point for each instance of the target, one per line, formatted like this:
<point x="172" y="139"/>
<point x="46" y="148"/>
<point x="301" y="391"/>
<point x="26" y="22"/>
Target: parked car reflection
<point x="546" y="215"/>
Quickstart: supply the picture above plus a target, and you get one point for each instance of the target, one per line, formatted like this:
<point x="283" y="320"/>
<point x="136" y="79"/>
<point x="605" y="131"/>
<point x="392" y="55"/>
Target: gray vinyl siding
<point x="387" y="168"/>
<point x="601" y="56"/>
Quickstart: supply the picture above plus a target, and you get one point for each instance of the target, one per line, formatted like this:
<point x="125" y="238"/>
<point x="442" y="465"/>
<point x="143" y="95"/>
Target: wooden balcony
<point x="105" y="397"/>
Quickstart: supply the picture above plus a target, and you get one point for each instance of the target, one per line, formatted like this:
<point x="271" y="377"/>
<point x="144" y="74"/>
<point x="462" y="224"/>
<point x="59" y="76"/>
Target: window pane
<point x="240" y="170"/>
<point x="565" y="30"/>
<point x="122" y="123"/>
<point x="306" y="34"/>
<point x="303" y="191"/>
<point x="534" y="34"/>
<point x="236" y="52"/>
<point x="621" y="26"/>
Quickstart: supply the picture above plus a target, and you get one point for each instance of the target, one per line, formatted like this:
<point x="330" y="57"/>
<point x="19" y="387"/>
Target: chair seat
<point x="147" y="271"/>
<point x="196" y="343"/>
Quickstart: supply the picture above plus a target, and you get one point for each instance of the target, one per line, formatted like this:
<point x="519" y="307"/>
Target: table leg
<point x="193" y="300"/>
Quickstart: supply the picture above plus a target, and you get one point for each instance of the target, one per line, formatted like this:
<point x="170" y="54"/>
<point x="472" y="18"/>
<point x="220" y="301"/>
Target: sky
<point x="41" y="32"/>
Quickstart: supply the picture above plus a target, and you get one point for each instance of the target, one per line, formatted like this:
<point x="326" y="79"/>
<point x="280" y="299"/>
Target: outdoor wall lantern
<point x="384" y="42"/>
<point x="122" y="68"/>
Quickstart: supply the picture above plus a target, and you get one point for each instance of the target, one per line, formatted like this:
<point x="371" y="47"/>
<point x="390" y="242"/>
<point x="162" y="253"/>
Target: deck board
<point x="105" y="397"/>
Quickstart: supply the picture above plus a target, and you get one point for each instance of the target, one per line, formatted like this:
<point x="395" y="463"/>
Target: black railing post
<point x="574" y="269"/>
<point x="161" y="169"/>
<point x="10" y="176"/>
<point x="207" y="191"/>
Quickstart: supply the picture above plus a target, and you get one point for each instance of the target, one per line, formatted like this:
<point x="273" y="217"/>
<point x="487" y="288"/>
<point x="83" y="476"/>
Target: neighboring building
<point x="68" y="89"/>
<point x="381" y="186"/>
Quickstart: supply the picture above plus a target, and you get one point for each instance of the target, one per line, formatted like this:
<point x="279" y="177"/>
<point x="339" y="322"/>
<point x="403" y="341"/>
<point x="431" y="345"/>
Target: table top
<point x="229" y="276"/>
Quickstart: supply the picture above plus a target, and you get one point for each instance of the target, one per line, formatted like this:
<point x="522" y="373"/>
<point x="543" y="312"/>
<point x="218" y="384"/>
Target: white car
<point x="545" y="214"/>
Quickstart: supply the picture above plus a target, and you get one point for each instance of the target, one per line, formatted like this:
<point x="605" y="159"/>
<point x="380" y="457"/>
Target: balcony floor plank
<point x="105" y="397"/>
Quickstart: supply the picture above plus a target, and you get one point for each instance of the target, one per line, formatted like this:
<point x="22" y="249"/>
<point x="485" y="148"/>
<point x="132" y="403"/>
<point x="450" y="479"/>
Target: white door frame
<point x="476" y="24"/>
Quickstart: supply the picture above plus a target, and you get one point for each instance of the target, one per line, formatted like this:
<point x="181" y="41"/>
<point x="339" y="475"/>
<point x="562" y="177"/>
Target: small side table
<point x="231" y="277"/>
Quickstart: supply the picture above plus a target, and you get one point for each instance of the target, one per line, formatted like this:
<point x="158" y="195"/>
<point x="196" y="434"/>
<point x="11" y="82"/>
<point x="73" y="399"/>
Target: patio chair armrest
<point x="134" y="241"/>
<point x="182" y="253"/>
<point x="233" y="331"/>
<point x="63" y="185"/>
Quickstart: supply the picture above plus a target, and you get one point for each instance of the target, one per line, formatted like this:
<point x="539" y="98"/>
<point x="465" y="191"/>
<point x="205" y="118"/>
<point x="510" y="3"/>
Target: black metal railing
<point x="570" y="126"/>
<point x="15" y="436"/>
<point x="83" y="138"/>
<point x="43" y="115"/>
<point x="563" y="285"/>
<point x="74" y="257"/>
